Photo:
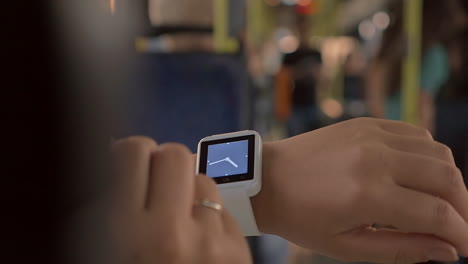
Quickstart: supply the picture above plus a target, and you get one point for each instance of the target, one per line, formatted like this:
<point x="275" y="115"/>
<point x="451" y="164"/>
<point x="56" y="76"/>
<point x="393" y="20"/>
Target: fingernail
<point x="442" y="254"/>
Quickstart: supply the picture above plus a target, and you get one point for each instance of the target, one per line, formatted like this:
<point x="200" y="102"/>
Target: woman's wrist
<point x="263" y="204"/>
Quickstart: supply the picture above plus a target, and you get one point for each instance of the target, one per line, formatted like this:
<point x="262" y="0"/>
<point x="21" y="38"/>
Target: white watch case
<point x="252" y="187"/>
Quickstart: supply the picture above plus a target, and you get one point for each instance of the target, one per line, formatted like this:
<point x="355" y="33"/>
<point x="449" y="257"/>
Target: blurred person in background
<point x="384" y="78"/>
<point x="353" y="88"/>
<point x="452" y="126"/>
<point x="297" y="83"/>
<point x="353" y="68"/>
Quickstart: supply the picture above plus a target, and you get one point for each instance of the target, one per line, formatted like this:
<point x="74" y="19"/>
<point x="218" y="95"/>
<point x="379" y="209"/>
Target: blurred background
<point x="179" y="70"/>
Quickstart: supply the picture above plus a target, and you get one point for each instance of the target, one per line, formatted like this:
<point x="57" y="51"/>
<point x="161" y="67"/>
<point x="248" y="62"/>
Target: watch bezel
<point x="251" y="181"/>
<point x="249" y="175"/>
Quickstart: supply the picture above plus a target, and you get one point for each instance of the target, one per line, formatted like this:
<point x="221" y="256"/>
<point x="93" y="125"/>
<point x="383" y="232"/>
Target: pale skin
<point x="157" y="217"/>
<point x="322" y="190"/>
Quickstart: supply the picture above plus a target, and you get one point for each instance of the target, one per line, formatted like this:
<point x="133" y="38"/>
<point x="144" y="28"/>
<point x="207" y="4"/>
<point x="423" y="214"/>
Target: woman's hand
<point x="325" y="189"/>
<point x="157" y="216"/>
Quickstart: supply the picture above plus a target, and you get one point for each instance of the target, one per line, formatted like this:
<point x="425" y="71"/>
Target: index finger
<point x="131" y="160"/>
<point x="171" y="185"/>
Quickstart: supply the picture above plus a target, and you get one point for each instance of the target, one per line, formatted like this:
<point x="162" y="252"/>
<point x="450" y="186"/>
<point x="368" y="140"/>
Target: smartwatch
<point x="234" y="161"/>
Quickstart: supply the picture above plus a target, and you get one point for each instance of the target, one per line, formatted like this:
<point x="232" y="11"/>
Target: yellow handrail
<point x="412" y="63"/>
<point x="222" y="42"/>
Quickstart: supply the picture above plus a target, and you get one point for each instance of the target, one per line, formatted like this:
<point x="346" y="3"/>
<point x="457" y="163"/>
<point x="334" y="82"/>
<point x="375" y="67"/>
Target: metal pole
<point x="412" y="62"/>
<point x="222" y="42"/>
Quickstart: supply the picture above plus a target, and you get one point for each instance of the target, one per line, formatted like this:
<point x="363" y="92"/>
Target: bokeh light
<point x="332" y="108"/>
<point x="381" y="20"/>
<point x="367" y="29"/>
<point x="289" y="2"/>
<point x="288" y="44"/>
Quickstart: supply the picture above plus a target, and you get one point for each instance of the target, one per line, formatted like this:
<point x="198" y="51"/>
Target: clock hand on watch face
<point x="215" y="162"/>
<point x="232" y="162"/>
<point x="225" y="159"/>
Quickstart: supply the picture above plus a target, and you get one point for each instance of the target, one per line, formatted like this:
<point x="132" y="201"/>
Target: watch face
<point x="228" y="160"/>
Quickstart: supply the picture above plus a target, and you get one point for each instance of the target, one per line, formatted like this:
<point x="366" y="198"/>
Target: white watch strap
<point x="238" y="204"/>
